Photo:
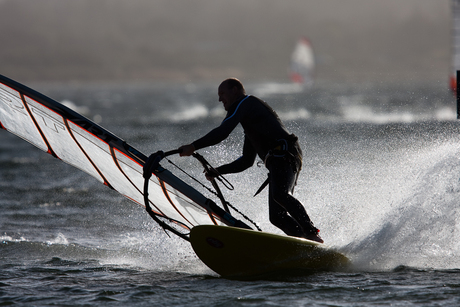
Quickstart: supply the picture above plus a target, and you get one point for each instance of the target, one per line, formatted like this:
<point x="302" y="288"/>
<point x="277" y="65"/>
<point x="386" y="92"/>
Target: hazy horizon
<point x="161" y="40"/>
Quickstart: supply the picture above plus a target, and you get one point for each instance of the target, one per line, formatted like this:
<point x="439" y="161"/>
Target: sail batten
<point x="15" y="118"/>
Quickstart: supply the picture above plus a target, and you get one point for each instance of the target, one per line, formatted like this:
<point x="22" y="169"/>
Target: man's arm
<point x="242" y="163"/>
<point x="213" y="137"/>
<point x="186" y="150"/>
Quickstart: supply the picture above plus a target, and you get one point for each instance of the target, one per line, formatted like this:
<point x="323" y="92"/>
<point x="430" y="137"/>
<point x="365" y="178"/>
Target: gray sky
<point x="195" y="40"/>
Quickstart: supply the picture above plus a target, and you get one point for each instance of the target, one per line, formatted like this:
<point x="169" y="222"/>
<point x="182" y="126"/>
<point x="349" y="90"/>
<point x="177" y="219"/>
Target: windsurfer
<point x="267" y="137"/>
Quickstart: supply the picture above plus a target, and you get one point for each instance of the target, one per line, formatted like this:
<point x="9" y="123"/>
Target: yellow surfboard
<point x="239" y="253"/>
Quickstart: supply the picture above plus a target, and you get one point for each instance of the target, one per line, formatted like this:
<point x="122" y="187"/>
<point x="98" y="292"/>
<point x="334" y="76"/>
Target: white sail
<point x="302" y="66"/>
<point x="74" y="139"/>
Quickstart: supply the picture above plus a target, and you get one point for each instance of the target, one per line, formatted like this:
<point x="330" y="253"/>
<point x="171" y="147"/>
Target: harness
<point x="283" y="149"/>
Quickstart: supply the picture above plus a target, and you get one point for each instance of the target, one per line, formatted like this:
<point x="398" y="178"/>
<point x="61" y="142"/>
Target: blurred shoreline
<point x="209" y="40"/>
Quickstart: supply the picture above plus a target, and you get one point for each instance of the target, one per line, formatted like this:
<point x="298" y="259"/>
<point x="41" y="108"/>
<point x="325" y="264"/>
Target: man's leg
<point x="281" y="219"/>
<point x="282" y="203"/>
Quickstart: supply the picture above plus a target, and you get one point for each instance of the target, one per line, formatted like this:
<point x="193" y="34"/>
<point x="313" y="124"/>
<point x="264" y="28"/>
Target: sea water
<point x="380" y="178"/>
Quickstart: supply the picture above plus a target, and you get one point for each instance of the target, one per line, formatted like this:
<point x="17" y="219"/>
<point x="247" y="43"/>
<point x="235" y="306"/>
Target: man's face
<point x="227" y="95"/>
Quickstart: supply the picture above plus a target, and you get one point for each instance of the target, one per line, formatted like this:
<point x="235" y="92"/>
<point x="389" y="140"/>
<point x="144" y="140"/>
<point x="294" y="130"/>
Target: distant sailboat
<point x="455" y="43"/>
<point x="301" y="72"/>
<point x="302" y="66"/>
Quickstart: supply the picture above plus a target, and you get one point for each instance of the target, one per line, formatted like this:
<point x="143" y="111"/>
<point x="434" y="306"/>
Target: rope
<point x="228" y="186"/>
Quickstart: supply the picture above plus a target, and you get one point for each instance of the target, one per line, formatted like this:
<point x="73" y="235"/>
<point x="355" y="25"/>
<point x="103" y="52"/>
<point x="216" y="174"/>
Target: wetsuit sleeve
<point x="216" y="135"/>
<point x="242" y="163"/>
<point x="220" y="133"/>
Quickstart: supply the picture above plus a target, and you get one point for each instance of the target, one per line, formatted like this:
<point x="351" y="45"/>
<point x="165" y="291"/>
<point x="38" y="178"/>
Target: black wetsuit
<point x="266" y="136"/>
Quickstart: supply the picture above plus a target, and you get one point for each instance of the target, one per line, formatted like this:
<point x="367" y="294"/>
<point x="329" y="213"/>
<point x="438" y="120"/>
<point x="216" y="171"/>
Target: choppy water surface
<point x="380" y="179"/>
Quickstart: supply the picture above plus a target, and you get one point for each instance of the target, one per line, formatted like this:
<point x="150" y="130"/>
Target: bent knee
<point x="280" y="195"/>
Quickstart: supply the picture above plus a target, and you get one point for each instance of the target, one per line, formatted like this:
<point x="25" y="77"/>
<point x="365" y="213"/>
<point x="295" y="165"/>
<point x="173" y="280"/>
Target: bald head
<point x="233" y="82"/>
<point x="230" y="91"/>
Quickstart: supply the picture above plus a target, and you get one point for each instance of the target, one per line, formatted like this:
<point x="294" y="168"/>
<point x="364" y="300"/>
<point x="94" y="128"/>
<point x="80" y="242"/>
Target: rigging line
<point x="221" y="196"/>
<point x="155" y="217"/>
<point x="213" y="192"/>
<point x="26" y="105"/>
<point x="207" y="166"/>
<point x="150" y="164"/>
<point x="190" y="176"/>
<point x="244" y="216"/>
<point x="106" y="182"/>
